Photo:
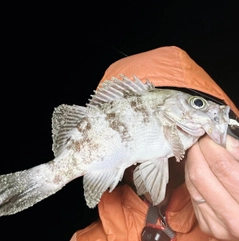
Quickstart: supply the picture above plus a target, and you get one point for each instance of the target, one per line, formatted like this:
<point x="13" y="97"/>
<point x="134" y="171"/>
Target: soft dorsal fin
<point x="115" y="89"/>
<point x="64" y="119"/>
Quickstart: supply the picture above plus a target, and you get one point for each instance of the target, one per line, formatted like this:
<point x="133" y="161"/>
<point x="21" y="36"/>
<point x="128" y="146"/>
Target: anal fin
<point x="97" y="182"/>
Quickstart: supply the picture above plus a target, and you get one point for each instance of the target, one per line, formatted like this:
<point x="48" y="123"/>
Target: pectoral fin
<point x="172" y="136"/>
<point x="152" y="177"/>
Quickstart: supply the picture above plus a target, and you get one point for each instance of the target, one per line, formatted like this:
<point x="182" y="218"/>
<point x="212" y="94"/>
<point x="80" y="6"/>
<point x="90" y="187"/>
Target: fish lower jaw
<point x="191" y="132"/>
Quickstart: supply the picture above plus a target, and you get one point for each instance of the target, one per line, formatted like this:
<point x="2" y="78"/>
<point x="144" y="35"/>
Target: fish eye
<point x="198" y="102"/>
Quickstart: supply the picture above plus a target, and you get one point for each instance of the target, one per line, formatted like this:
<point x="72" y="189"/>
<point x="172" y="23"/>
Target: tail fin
<point x="23" y="189"/>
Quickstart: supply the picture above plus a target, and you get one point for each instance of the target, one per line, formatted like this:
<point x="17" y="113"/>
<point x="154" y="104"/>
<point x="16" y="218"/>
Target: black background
<point x="57" y="54"/>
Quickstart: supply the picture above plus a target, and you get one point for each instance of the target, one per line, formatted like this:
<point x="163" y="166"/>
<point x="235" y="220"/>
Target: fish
<point x="126" y="122"/>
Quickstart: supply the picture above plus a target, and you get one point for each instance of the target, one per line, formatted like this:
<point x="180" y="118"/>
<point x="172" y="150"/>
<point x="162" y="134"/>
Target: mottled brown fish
<point x="126" y="122"/>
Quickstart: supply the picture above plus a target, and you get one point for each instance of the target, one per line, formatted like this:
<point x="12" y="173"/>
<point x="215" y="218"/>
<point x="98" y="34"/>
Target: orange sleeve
<point x="93" y="232"/>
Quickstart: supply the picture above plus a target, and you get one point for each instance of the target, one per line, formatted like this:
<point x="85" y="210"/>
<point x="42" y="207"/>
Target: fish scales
<point x="125" y="122"/>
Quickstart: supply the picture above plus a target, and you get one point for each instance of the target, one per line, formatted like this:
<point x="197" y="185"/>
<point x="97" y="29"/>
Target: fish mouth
<point x="197" y="132"/>
<point x="217" y="133"/>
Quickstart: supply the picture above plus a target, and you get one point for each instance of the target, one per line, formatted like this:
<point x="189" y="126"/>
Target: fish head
<point x="217" y="126"/>
<point x="196" y="116"/>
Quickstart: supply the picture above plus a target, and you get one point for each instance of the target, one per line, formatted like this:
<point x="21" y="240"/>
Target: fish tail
<point x="23" y="189"/>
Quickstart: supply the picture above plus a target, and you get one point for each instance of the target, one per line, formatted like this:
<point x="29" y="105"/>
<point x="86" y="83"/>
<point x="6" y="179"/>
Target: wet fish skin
<point x="126" y="122"/>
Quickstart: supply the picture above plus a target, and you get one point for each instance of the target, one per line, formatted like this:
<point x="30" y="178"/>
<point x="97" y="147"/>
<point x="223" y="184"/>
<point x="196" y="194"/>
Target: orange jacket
<point x="122" y="212"/>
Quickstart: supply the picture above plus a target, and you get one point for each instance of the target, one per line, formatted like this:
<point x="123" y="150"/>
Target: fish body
<point x="126" y="122"/>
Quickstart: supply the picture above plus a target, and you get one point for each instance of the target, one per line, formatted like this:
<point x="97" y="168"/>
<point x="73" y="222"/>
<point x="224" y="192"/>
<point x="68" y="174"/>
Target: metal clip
<point x="152" y="232"/>
<point x="233" y="123"/>
<point x="167" y="230"/>
<point x="233" y="128"/>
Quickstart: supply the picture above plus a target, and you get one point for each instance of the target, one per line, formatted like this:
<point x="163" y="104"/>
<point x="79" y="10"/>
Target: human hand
<point x="212" y="174"/>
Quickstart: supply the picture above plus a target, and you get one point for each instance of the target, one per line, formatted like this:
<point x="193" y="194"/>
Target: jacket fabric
<point x="122" y="213"/>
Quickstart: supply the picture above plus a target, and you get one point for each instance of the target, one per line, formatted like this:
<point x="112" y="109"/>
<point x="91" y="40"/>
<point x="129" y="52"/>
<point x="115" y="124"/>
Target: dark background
<point x="57" y="54"/>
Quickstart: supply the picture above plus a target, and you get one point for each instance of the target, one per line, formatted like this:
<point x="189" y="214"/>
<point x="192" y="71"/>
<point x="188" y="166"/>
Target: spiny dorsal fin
<point x="64" y="119"/>
<point x="115" y="89"/>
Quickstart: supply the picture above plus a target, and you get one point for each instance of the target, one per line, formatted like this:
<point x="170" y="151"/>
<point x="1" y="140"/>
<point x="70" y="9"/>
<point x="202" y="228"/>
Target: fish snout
<point x="217" y="133"/>
<point x="217" y="129"/>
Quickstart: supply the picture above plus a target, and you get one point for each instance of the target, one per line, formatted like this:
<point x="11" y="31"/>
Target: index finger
<point x="223" y="163"/>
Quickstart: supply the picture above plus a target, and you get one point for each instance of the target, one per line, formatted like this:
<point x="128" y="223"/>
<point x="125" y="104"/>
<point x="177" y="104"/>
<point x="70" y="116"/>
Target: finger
<point x="223" y="164"/>
<point x="207" y="218"/>
<point x="201" y="181"/>
<point x="211" y="224"/>
<point x="196" y="196"/>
